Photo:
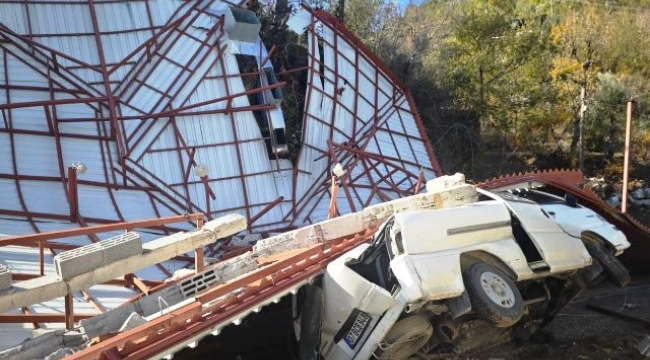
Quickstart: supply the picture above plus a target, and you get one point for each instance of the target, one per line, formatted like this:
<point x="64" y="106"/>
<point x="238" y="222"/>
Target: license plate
<point x="356" y="331"/>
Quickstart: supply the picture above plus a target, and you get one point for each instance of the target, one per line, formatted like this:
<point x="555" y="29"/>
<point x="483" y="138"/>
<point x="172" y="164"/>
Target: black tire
<point x="615" y="270"/>
<point x="494" y="296"/>
<point x="405" y="338"/>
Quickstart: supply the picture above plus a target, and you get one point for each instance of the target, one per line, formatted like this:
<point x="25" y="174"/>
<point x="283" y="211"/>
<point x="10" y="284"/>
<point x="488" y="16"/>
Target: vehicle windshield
<point x="538" y="197"/>
<point x="374" y="263"/>
<point x="505" y="195"/>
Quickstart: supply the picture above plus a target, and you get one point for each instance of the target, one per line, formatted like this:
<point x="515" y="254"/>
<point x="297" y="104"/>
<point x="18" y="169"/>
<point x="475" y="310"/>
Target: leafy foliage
<point x="493" y="78"/>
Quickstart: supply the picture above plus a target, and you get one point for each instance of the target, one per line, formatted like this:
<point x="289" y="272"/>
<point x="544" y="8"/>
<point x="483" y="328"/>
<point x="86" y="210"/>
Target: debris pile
<point x="638" y="192"/>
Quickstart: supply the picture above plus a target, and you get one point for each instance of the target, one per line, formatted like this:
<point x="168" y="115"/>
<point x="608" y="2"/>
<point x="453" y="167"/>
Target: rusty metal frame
<point x="353" y="152"/>
<point x="64" y="87"/>
<point x="127" y="174"/>
<point x="217" y="304"/>
<point x="42" y="240"/>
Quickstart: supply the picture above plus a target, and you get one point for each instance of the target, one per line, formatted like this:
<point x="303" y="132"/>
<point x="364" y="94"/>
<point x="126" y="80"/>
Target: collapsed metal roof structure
<point x="116" y="111"/>
<point x="146" y="97"/>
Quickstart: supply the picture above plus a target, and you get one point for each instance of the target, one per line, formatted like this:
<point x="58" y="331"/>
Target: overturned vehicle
<point x="442" y="283"/>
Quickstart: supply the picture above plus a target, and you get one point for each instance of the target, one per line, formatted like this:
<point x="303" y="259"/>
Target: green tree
<point x="606" y="119"/>
<point x="496" y="67"/>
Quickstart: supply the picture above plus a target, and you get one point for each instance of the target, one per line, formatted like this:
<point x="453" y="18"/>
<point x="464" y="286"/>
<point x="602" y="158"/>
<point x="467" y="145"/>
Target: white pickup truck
<point x="435" y="283"/>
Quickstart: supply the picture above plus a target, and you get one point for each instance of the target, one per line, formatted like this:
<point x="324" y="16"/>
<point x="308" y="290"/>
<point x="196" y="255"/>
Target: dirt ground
<point x="581" y="333"/>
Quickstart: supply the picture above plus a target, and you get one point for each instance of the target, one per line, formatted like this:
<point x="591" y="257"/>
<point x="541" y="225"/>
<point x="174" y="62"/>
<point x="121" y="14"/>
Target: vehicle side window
<point x="539" y="197"/>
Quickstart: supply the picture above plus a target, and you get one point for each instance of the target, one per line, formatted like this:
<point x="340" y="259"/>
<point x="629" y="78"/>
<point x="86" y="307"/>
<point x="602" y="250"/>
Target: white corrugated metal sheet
<point x="343" y="107"/>
<point x="239" y="174"/>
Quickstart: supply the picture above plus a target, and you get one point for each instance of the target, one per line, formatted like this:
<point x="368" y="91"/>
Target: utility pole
<point x="628" y="132"/>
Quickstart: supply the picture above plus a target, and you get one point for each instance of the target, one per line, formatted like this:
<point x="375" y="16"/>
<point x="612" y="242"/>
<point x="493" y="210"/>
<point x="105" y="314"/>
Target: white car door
<point x="560" y="251"/>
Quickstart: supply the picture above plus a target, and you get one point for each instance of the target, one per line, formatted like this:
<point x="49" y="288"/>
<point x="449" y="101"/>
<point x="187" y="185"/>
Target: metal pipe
<point x="72" y="194"/>
<point x="199" y="261"/>
<point x="626" y="161"/>
<point x="69" y="312"/>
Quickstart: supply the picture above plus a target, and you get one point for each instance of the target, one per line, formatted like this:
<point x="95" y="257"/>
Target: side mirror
<point x="571" y="200"/>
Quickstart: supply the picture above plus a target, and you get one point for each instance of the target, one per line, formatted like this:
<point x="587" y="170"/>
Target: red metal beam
<point x="49" y="62"/>
<point x="337" y="26"/>
<point x="72" y="194"/>
<point x="12" y="144"/>
<point x="51" y="102"/>
<point x="107" y="85"/>
<point x="26" y="311"/>
<point x="137" y="283"/>
<point x="265" y="210"/>
<point x="40" y="318"/>
<point x="69" y="312"/>
<point x="58" y="234"/>
<point x="151" y="42"/>
<point x="181" y="324"/>
<point x="99" y="307"/>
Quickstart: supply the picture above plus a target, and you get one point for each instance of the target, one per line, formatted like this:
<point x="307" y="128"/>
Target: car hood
<point x="576" y="220"/>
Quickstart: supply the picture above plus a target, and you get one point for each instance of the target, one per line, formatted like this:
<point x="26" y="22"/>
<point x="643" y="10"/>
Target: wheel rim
<point x="497" y="289"/>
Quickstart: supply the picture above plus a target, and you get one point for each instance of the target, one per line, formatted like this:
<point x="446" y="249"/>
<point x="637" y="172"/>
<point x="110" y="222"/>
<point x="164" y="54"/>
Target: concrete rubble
<point x="52" y="345"/>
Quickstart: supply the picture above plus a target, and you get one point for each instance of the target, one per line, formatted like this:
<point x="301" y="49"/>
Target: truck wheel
<point x="405" y="338"/>
<point x="494" y="296"/>
<point x="615" y="271"/>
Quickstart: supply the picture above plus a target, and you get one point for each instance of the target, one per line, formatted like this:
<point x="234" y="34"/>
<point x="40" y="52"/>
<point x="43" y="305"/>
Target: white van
<point x="439" y="282"/>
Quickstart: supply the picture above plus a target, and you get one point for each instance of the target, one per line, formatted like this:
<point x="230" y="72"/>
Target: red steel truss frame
<point x="44" y="240"/>
<point x="108" y="99"/>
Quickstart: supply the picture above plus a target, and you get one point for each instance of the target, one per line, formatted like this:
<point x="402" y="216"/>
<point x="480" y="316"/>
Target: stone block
<point x="416" y="202"/>
<point x="445" y="182"/>
<point x="200" y="282"/>
<point x="226" y="225"/>
<point x="32" y="291"/>
<point x="376" y="214"/>
<point x="276" y="244"/>
<point x="35" y="348"/>
<point x="460" y="195"/>
<point x="5" y="277"/>
<point x="235" y="267"/>
<point x="221" y="272"/>
<point x="121" y="247"/>
<point x="341" y="226"/>
<point x="78" y="261"/>
<point x="87" y="258"/>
